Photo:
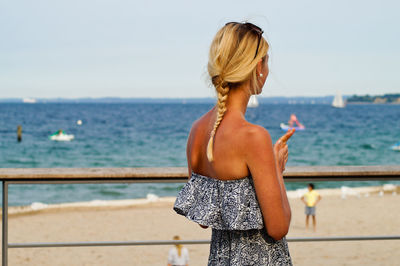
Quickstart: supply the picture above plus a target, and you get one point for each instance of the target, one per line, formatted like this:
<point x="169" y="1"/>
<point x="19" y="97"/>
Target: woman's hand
<point x="281" y="150"/>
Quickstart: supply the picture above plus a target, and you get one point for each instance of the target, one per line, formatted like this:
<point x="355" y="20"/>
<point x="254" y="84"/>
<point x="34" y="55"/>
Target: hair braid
<point x="222" y="90"/>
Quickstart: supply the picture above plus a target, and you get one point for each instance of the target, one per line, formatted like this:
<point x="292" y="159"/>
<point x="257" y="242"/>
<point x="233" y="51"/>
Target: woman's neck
<point x="238" y="98"/>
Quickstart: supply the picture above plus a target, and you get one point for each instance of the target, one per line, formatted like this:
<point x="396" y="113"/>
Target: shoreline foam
<point x="37" y="207"/>
<point x="346" y="191"/>
<point x="343" y="192"/>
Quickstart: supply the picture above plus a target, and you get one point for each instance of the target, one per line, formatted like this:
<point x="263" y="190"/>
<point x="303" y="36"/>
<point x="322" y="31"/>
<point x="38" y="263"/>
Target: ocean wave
<point x="343" y="192"/>
<point x="112" y="193"/>
<point x="40" y="207"/>
<point x="367" y="146"/>
<point x="23" y="161"/>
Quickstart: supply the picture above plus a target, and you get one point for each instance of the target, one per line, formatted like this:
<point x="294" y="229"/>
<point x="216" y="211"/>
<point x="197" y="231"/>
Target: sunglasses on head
<point x="251" y="27"/>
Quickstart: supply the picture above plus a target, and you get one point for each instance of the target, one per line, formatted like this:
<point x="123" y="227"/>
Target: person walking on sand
<point x="310" y="199"/>
<point x="178" y="255"/>
<point x="235" y="184"/>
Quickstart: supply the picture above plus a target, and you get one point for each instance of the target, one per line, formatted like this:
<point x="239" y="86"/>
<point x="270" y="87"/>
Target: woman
<point x="235" y="173"/>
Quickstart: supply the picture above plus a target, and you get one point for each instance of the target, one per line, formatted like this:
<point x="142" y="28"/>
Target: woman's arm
<point x="266" y="164"/>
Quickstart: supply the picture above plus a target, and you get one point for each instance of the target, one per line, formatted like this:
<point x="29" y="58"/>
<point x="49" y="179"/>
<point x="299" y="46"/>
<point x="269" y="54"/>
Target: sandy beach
<point x="364" y="213"/>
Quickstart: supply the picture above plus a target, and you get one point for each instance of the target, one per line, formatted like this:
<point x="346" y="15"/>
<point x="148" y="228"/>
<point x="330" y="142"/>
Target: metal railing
<point x="173" y="175"/>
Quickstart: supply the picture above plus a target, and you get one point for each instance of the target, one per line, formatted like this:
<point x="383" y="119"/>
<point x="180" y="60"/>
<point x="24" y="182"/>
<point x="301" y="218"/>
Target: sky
<point x="158" y="49"/>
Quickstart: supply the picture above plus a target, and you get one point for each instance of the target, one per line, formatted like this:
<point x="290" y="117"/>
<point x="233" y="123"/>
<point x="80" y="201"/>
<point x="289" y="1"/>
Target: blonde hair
<point x="178" y="246"/>
<point x="232" y="60"/>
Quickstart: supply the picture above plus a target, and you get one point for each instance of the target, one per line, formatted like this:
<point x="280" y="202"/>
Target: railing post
<point x="4" y="216"/>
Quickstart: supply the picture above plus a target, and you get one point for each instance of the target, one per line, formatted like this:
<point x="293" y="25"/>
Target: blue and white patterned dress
<point x="231" y="209"/>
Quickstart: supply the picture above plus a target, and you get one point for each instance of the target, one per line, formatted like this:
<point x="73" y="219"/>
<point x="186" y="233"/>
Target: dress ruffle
<point x="219" y="204"/>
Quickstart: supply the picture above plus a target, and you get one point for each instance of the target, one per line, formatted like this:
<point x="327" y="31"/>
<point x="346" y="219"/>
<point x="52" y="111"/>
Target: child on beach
<point x="178" y="255"/>
<point x="310" y="199"/>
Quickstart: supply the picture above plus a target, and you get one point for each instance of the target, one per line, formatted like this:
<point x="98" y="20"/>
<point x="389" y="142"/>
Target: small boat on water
<point x="396" y="147"/>
<point x="253" y="102"/>
<point x="286" y="127"/>
<point x="291" y="124"/>
<point x="61" y="136"/>
<point x="338" y="101"/>
<point x="29" y="100"/>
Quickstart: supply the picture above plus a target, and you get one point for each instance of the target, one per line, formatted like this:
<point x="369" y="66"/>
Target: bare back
<point x="228" y="153"/>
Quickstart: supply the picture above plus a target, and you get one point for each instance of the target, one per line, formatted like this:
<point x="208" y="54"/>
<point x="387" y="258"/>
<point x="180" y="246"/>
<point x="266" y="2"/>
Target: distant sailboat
<point x="29" y="100"/>
<point x="338" y="101"/>
<point x="253" y="102"/>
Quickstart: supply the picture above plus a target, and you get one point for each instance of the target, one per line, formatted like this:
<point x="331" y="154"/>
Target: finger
<point x="280" y="146"/>
<point x="286" y="151"/>
<point x="279" y="142"/>
<point x="284" y="148"/>
<point x="287" y="136"/>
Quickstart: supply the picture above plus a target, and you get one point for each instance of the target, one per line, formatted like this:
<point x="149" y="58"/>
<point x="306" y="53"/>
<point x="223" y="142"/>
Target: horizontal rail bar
<point x="106" y="243"/>
<point x="75" y="174"/>
<point x="96" y="181"/>
<point x="180" y="174"/>
<point x="188" y="242"/>
<point x="342" y="238"/>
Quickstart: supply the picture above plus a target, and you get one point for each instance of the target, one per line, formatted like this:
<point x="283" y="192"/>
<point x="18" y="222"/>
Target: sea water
<point x="154" y="135"/>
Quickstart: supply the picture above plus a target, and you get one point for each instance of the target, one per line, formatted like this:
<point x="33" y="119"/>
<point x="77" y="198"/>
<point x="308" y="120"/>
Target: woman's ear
<point x="259" y="67"/>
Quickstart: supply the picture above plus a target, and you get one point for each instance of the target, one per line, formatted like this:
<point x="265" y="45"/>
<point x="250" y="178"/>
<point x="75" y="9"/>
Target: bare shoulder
<point x="255" y="142"/>
<point x="198" y="129"/>
<point x="198" y="125"/>
<point x="195" y="125"/>
<point x="192" y="132"/>
<point x="254" y="135"/>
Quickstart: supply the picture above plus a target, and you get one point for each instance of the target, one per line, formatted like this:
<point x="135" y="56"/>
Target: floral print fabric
<point x="231" y="209"/>
<point x="224" y="205"/>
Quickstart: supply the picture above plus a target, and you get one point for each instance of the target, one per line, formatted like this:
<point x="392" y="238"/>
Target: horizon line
<point x="156" y="98"/>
